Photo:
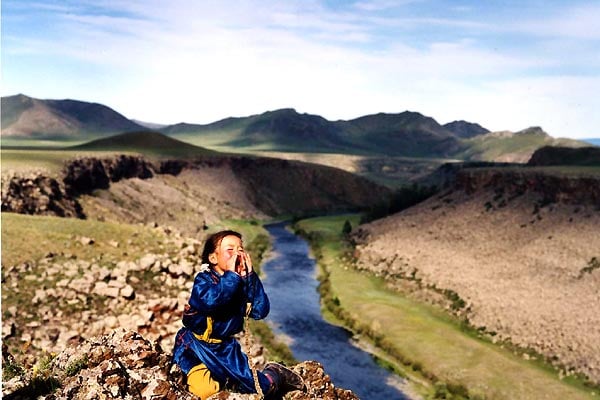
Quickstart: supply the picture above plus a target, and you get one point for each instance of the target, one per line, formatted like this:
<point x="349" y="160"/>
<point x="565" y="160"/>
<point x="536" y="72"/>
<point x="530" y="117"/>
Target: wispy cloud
<point x="200" y="61"/>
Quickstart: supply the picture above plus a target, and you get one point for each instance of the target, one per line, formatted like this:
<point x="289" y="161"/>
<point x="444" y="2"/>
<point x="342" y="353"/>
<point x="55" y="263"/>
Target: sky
<point x="506" y="65"/>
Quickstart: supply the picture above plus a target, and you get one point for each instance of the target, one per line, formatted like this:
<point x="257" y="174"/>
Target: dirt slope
<point x="526" y="265"/>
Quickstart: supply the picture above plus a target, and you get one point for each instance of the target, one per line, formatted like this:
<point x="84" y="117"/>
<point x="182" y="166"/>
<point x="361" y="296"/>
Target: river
<point x="295" y="313"/>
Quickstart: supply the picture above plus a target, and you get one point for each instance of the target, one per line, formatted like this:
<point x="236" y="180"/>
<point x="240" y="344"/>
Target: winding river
<point x="295" y="313"/>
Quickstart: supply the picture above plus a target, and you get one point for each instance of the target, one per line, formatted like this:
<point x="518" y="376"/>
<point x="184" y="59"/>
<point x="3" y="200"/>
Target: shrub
<point x="77" y="365"/>
<point x="401" y="199"/>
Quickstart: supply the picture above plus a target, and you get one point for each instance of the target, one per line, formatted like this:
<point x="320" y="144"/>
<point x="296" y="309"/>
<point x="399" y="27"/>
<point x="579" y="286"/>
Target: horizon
<point x="502" y="66"/>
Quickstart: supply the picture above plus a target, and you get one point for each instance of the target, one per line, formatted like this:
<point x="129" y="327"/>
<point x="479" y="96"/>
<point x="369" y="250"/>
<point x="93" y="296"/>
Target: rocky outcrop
<point x="514" y="182"/>
<point x="269" y="186"/>
<point x="83" y="175"/>
<point x="552" y="155"/>
<point x="38" y="194"/>
<point x="125" y="365"/>
<point x="112" y="324"/>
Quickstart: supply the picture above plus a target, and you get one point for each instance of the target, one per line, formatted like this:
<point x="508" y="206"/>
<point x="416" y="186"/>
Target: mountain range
<point x="405" y="134"/>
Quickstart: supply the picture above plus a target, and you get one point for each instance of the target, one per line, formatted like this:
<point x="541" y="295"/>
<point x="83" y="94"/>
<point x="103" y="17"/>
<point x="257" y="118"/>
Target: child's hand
<point x="242" y="264"/>
<point x="246" y="263"/>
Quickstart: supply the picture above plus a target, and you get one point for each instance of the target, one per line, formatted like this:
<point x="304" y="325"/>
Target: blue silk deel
<point x="215" y="313"/>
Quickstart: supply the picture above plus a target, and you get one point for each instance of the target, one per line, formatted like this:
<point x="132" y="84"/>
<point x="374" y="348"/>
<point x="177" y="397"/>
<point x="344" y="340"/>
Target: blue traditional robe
<point x="215" y="313"/>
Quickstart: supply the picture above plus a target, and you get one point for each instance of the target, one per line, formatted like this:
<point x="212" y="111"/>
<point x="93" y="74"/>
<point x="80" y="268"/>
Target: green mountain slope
<point x="406" y="134"/>
<point x="26" y="117"/>
<point x="145" y="142"/>
<point x="508" y="146"/>
<point x="403" y="134"/>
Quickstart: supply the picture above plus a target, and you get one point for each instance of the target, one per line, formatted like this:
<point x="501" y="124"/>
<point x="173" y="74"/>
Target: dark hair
<point x="213" y="241"/>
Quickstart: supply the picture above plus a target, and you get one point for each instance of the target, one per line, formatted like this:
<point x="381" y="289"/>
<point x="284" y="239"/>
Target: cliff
<point x="550" y="187"/>
<point x="549" y="155"/>
<point x="512" y="250"/>
<point x="133" y="189"/>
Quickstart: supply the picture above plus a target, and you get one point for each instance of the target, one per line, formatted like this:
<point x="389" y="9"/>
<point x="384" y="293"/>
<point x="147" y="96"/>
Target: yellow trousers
<point x="201" y="383"/>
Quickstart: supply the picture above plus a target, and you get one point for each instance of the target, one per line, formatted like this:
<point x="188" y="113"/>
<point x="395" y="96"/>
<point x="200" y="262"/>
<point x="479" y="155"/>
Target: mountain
<point x="464" y="129"/>
<point x="404" y="134"/>
<point x="281" y="130"/>
<point x="506" y="146"/>
<point x="27" y="117"/>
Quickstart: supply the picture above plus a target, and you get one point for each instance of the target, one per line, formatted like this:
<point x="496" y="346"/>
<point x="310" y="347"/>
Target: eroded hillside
<point x="518" y="251"/>
<point x="188" y="194"/>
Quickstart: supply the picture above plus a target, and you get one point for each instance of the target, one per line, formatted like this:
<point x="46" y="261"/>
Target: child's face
<point x="228" y="248"/>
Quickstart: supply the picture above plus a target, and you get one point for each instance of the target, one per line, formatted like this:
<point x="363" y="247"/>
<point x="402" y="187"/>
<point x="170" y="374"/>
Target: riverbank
<point x="422" y="341"/>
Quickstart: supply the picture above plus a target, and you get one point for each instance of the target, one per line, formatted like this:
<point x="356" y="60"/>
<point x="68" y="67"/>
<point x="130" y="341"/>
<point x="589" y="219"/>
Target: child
<point x="224" y="291"/>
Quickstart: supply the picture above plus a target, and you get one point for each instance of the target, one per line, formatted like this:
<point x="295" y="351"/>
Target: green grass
<point x="29" y="238"/>
<point x="489" y="147"/>
<point x="45" y="159"/>
<point x="426" y="338"/>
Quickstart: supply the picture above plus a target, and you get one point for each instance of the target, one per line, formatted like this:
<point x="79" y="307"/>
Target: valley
<point x="496" y="271"/>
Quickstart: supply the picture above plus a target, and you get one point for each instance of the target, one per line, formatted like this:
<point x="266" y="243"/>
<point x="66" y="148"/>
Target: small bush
<point x="593" y="264"/>
<point x="11" y="369"/>
<point x="74" y="367"/>
<point x="401" y="199"/>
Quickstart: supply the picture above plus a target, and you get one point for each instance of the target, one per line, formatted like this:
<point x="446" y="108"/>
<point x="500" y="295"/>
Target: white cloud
<point x="577" y="22"/>
<point x="201" y="61"/>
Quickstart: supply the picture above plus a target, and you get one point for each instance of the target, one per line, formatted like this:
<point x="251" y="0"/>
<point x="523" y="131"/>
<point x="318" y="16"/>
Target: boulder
<point x="123" y="365"/>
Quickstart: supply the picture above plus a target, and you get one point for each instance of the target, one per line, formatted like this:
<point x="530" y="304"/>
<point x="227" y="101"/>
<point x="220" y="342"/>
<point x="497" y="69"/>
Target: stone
<point x="86" y="241"/>
<point x="147" y="261"/>
<point x="127" y="292"/>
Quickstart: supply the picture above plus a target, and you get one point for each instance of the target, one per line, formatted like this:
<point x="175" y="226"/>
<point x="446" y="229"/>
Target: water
<point x="295" y="312"/>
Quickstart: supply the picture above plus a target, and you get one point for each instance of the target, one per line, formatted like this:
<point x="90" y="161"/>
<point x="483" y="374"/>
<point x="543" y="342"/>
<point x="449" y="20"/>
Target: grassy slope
<point x="490" y="147"/>
<point x="148" y="143"/>
<point x="29" y="238"/>
<point x="49" y="160"/>
<point x="59" y="235"/>
<point x="427" y="337"/>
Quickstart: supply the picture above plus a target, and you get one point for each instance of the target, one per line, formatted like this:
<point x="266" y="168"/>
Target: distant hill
<point x="406" y="134"/>
<point x="464" y="129"/>
<point x="506" y="146"/>
<point x="403" y="134"/>
<point x="26" y="117"/>
<point x="145" y="142"/>
<point x="549" y="155"/>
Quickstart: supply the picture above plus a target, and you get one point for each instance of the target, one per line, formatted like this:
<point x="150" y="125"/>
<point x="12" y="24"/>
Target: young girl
<point x="224" y="291"/>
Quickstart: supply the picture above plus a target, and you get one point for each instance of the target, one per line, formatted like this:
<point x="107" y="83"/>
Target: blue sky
<point x="506" y="64"/>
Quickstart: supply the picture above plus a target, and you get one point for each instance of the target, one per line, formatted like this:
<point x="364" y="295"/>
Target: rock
<point x="38" y="194"/>
<point x="123" y="364"/>
<point x="8" y="329"/>
<point x="127" y="292"/>
<point x="86" y="240"/>
<point x="147" y="261"/>
<point x="102" y="289"/>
